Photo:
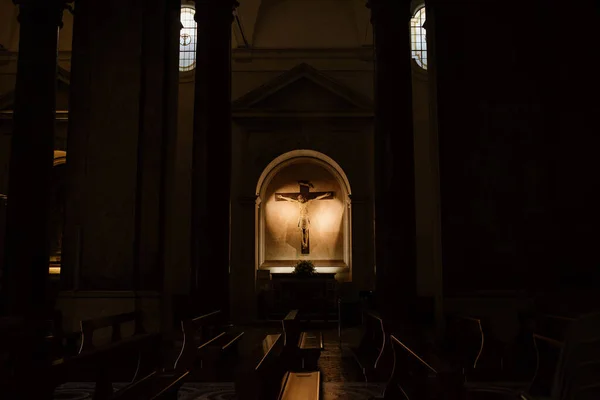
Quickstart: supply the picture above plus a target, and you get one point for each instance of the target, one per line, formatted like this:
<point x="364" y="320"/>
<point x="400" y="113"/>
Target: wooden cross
<point x="302" y="198"/>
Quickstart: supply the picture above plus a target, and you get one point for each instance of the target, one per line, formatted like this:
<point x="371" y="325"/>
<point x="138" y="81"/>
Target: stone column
<point x="438" y="272"/>
<point x="32" y="152"/>
<point x="395" y="229"/>
<point x="121" y="158"/>
<point x="105" y="162"/>
<point x="211" y="175"/>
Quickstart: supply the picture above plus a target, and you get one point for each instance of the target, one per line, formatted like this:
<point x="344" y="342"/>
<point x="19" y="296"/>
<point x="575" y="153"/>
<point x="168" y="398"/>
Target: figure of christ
<point x="303" y="199"/>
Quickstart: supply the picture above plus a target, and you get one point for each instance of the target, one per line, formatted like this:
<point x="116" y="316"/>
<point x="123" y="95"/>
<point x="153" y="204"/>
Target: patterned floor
<point x="226" y="391"/>
<point x="342" y="379"/>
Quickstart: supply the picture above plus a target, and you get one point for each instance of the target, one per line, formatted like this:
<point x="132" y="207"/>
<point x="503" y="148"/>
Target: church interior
<point x="299" y="199"/>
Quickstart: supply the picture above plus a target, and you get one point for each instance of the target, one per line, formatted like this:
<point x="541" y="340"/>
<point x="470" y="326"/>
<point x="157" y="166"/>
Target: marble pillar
<point x="395" y="227"/>
<point x="25" y="276"/>
<point x="211" y="175"/>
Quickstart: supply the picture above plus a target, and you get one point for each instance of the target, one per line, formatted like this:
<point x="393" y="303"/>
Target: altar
<point x="314" y="296"/>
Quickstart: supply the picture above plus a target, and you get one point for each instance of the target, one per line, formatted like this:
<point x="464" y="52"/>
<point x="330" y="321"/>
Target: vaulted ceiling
<point x="302" y="24"/>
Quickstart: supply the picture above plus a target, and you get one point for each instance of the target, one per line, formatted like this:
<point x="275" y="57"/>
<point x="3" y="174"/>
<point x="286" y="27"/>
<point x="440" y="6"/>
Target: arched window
<point x="187" y="39"/>
<point x="418" y="38"/>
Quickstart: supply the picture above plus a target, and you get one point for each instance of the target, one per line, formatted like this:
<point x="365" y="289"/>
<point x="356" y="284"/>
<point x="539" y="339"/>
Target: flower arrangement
<point x="305" y="268"/>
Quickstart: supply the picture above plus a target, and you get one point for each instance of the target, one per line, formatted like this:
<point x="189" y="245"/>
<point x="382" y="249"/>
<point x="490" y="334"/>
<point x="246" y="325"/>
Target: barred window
<point x="418" y="38"/>
<point x="187" y="40"/>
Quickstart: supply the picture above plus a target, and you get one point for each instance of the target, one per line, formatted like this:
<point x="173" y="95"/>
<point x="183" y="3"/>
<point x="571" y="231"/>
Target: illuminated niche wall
<point x="280" y="237"/>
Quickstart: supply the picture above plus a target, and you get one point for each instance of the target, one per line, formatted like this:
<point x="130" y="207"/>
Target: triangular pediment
<point x="303" y="90"/>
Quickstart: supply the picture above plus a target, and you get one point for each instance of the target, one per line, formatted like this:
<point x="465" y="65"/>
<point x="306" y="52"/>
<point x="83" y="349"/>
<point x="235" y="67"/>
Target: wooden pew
<point x="548" y="352"/>
<point x="421" y="377"/>
<point x="122" y="359"/>
<point x="212" y="359"/>
<point x="552" y="326"/>
<point x="302" y="348"/>
<point x="569" y="369"/>
<point x="166" y="382"/>
<point x="100" y="364"/>
<point x="548" y="332"/>
<point x="465" y="341"/>
<point x="291" y="333"/>
<point x="372" y="353"/>
<point x="483" y="359"/>
<point x="310" y="346"/>
<point x="262" y="380"/>
<point x="291" y="328"/>
<point x="301" y="386"/>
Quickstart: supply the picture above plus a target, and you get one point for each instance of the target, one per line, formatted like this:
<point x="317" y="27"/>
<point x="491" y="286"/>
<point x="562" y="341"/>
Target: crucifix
<point x="302" y="198"/>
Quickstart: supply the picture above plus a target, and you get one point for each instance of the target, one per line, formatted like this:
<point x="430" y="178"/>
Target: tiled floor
<point x="342" y="378"/>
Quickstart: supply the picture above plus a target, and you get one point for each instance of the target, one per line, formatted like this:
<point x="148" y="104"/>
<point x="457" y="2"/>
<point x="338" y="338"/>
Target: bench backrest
<point x="261" y="378"/>
<point x="291" y="328"/>
<point x="547" y="354"/>
<point x="197" y="332"/>
<point x="88" y="327"/>
<point x="269" y="370"/>
<point x="202" y="327"/>
<point x="417" y="377"/>
<point x="578" y="359"/>
<point x="466" y="340"/>
<point x="552" y="326"/>
<point x="569" y="369"/>
<point x="269" y="348"/>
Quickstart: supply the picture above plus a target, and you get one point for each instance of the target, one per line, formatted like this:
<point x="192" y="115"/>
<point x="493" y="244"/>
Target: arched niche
<point x="277" y="234"/>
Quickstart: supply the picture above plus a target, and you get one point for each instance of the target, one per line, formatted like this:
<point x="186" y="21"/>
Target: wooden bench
<point x="569" y="369"/>
<point x="291" y="328"/>
<point x="218" y="348"/>
<point x="465" y="341"/>
<point x="310" y="346"/>
<point x="372" y="353"/>
<point x="471" y="345"/>
<point x="262" y="379"/>
<point x="547" y="334"/>
<point x="421" y="377"/>
<point x="291" y="333"/>
<point x="301" y="386"/>
<point x="165" y="383"/>
<point x="121" y="359"/>
<point x="552" y="326"/>
<point x="99" y="364"/>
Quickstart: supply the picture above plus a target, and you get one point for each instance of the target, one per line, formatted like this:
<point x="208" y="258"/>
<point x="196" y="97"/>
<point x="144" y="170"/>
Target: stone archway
<point x="338" y="260"/>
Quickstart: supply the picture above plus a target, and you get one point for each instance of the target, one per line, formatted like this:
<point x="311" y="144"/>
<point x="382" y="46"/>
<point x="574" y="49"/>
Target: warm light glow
<point x="54" y="270"/>
<point x="289" y="270"/>
<point x="328" y="217"/>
